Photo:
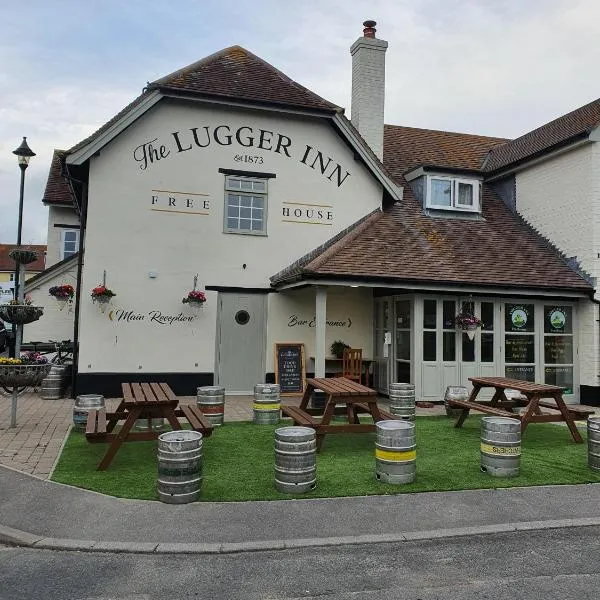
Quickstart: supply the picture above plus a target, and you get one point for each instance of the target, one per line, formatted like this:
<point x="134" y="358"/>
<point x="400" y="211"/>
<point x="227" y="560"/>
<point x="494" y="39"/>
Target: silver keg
<point x="500" y="446"/>
<point x="83" y="404"/>
<point x="402" y="400"/>
<point x="179" y="466"/>
<point x="455" y="392"/>
<point x="267" y="404"/>
<point x="210" y="399"/>
<point x="295" y="460"/>
<point x="593" y="436"/>
<point x="395" y="452"/>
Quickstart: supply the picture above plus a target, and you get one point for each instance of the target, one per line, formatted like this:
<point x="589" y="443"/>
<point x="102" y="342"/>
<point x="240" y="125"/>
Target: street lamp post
<point x="24" y="154"/>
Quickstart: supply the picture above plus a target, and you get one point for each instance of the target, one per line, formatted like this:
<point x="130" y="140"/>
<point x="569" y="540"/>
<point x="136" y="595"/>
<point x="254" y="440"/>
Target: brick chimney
<point x="368" y="86"/>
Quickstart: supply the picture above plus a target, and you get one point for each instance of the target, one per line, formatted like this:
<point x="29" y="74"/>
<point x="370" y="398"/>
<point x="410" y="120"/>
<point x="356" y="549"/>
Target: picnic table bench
<point x="531" y="399"/>
<point x="355" y="397"/>
<point x="140" y="401"/>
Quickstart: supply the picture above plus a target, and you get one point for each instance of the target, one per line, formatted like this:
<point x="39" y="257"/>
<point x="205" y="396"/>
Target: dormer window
<point x="452" y="193"/>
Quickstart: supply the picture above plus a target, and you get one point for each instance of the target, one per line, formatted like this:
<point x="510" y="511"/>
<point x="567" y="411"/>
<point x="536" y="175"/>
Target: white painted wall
<point x="128" y="237"/>
<point x="63" y="216"/>
<point x="560" y="197"/>
<point x="292" y="313"/>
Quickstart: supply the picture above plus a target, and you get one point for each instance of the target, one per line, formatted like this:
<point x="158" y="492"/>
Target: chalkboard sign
<point x="290" y="371"/>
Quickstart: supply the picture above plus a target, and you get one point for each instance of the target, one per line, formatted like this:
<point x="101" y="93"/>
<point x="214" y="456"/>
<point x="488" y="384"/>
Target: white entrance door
<point x="241" y="331"/>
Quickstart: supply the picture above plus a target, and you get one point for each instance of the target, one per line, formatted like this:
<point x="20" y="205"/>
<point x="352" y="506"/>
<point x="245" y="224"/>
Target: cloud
<point x="494" y="67"/>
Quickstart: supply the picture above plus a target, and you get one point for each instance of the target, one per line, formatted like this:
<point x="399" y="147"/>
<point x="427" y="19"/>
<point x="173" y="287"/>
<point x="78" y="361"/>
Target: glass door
<point x="558" y="347"/>
<point x="382" y="344"/>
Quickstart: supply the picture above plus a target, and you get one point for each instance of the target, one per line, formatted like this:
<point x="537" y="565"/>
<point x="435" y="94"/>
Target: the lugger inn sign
<point x="249" y="146"/>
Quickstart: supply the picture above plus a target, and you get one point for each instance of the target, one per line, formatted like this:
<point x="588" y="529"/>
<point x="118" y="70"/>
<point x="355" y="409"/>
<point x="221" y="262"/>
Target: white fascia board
<point x="394" y="190"/>
<point x="459" y="288"/>
<point x="95" y="145"/>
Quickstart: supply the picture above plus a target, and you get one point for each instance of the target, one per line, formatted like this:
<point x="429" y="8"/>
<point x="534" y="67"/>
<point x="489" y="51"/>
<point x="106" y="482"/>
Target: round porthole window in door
<point x="242" y="317"/>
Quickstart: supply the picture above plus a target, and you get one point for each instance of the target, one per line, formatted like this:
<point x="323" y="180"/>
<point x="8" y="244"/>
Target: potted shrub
<point x="337" y="348"/>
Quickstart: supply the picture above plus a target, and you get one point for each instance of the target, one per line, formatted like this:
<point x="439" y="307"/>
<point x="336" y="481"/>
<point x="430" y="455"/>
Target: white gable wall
<point x="133" y="231"/>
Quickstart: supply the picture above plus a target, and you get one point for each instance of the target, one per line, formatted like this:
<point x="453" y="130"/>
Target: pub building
<point x="300" y="225"/>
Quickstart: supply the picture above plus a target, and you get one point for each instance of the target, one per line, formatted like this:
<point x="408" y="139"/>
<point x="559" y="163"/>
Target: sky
<point x="490" y="67"/>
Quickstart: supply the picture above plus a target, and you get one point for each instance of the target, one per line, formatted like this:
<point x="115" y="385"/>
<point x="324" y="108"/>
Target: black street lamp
<point x="24" y="154"/>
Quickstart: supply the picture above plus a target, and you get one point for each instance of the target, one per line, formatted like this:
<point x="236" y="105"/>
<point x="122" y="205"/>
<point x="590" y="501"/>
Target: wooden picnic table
<point x="532" y="399"/>
<point x="356" y="397"/>
<point x="140" y="401"/>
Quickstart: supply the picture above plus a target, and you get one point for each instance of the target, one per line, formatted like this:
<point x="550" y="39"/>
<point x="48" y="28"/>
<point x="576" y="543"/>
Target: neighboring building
<point x="7" y="269"/>
<point x="230" y="171"/>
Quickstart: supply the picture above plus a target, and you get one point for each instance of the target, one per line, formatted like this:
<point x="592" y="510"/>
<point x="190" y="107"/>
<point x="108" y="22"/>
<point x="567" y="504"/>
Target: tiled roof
<point x="236" y="73"/>
<point x="402" y="244"/>
<point x="406" y="148"/>
<point x="8" y="264"/>
<point x="555" y="134"/>
<point x="57" y="187"/>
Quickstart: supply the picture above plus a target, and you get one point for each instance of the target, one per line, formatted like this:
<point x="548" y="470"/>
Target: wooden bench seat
<point x="484" y="408"/>
<point x="299" y="416"/>
<point x="578" y="411"/>
<point x="196" y="418"/>
<point x="95" y="429"/>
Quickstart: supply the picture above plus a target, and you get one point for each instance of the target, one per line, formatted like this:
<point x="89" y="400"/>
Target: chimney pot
<point x="369" y="29"/>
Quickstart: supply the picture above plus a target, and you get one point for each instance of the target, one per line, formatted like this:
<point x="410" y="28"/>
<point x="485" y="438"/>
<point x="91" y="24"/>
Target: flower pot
<point x="470" y="331"/>
<point x="20" y="314"/>
<point x="23" y="375"/>
<point x="23" y="256"/>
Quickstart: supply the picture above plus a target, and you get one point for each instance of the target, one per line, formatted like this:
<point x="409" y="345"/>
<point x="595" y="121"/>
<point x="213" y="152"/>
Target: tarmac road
<point x="561" y="564"/>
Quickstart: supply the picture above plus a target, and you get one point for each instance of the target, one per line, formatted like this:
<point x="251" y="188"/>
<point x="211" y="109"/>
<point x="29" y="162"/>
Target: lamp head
<point x="24" y="153"/>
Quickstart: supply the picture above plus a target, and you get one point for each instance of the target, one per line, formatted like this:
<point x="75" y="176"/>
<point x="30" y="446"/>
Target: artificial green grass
<point x="239" y="463"/>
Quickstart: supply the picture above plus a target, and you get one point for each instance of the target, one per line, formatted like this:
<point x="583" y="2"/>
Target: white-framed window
<point x="69" y="242"/>
<point x="245" y="205"/>
<point x="451" y="193"/>
<point x="11" y="277"/>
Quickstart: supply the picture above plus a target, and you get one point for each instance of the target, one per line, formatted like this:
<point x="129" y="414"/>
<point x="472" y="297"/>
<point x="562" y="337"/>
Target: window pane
<point x="233" y="211"/>
<point x="258" y="186"/>
<point x="403" y="345"/>
<point x="234" y="184"/>
<point x="441" y="192"/>
<point x="522" y="373"/>
<point x="232" y="223"/>
<point x="519" y="349"/>
<point x="70" y="247"/>
<point x="257" y="225"/>
<point x="518" y="317"/>
<point x="558" y="319"/>
<point x="465" y="194"/>
<point x="245" y="213"/>
<point x="449" y="313"/>
<point x="429" y="314"/>
<point x="245" y="201"/>
<point x="258" y="202"/>
<point x="403" y="314"/>
<point x="558" y="349"/>
<point x="70" y="236"/>
<point x="246" y="185"/>
<point x="487" y="347"/>
<point x="449" y="346"/>
<point x="245" y="224"/>
<point x="487" y="316"/>
<point x="562" y="376"/>
<point x="429" y="352"/>
<point x="233" y="199"/>
<point x="403" y="372"/>
<point x="468" y="348"/>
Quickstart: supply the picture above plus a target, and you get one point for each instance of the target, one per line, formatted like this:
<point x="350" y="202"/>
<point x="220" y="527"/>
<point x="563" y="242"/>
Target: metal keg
<point x="500" y="446"/>
<point x="179" y="466"/>
<point x="455" y="392"/>
<point x="593" y="436"/>
<point x="83" y="404"/>
<point x="267" y="404"/>
<point x="402" y="400"/>
<point x="395" y="452"/>
<point x="295" y="460"/>
<point x="210" y="399"/>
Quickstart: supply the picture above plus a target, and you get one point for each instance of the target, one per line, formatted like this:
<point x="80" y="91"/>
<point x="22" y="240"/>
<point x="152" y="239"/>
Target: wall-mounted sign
<point x="558" y="319"/>
<point x="519" y="317"/>
<point x="7" y="290"/>
<point x="296" y="321"/>
<point x="156" y="317"/>
<point x="308" y="214"/>
<point x="171" y="201"/>
<point x="558" y="349"/>
<point x="290" y="369"/>
<point x="519" y="348"/>
<point x="245" y="141"/>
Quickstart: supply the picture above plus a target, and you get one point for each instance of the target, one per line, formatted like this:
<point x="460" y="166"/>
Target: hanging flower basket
<point x="19" y="375"/>
<point x="195" y="298"/>
<point x="63" y="294"/>
<point x="102" y="296"/>
<point x="20" y="314"/>
<point x="23" y="255"/>
<point x="468" y="323"/>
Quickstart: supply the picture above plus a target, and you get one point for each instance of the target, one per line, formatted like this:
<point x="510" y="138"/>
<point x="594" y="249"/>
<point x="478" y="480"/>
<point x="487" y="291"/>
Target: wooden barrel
<point x="210" y="399"/>
<point x="455" y="392"/>
<point x="295" y="460"/>
<point x="500" y="446"/>
<point x="83" y="404"/>
<point x="402" y="400"/>
<point x="593" y="436"/>
<point x="179" y="466"/>
<point x="395" y="452"/>
<point x="267" y="405"/>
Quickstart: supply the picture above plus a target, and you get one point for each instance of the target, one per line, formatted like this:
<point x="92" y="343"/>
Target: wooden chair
<point x="352" y="364"/>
